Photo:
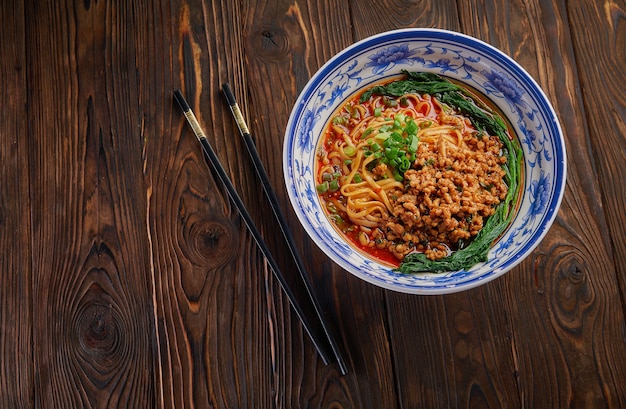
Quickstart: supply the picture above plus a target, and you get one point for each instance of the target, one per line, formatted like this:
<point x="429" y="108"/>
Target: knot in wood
<point x="98" y="329"/>
<point x="210" y="241"/>
<point x="574" y="292"/>
<point x="101" y="332"/>
<point x="573" y="269"/>
<point x="98" y="324"/>
<point x="269" y="43"/>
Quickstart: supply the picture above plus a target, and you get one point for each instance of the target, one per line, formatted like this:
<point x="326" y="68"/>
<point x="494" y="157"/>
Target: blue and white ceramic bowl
<point x="469" y="61"/>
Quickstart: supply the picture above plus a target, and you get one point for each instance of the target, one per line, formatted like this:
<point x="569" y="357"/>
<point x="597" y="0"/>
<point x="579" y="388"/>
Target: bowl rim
<point x="548" y="216"/>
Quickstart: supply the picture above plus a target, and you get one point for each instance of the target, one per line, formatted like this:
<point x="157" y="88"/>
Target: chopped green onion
<point x="413" y="144"/>
<point x="382" y="136"/>
<point x="349" y="150"/>
<point x="333" y="186"/>
<point x="322" y="188"/>
<point x="378" y="111"/>
<point x="411" y="127"/>
<point x="339" y="120"/>
<point x="357" y="178"/>
<point x="367" y="132"/>
<point x="405" y="164"/>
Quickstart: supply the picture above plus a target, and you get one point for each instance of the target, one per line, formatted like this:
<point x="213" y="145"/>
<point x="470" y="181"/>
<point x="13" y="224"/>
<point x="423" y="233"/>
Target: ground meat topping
<point x="448" y="194"/>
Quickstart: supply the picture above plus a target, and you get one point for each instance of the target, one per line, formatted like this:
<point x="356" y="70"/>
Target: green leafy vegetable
<point x="484" y="120"/>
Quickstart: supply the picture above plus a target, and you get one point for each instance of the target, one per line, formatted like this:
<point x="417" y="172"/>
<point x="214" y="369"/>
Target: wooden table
<point x="127" y="278"/>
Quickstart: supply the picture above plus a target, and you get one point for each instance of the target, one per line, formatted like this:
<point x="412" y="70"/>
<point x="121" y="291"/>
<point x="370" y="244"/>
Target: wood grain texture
<point x="601" y="54"/>
<point x="128" y="280"/>
<point x="16" y="370"/>
<point x="92" y="314"/>
<point x="211" y="312"/>
<point x="369" y="18"/>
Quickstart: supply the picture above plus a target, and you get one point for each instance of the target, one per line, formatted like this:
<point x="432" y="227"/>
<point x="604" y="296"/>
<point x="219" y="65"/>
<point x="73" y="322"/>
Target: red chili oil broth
<point x="339" y="219"/>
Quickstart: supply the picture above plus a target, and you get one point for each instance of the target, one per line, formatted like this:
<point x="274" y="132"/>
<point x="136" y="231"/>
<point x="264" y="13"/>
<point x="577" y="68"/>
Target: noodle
<point x="408" y="174"/>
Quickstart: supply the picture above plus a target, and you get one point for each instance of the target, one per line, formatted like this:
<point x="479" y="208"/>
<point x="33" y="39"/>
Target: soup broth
<point x="412" y="174"/>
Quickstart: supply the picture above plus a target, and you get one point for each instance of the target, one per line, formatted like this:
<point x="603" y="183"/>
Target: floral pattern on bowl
<point x="469" y="61"/>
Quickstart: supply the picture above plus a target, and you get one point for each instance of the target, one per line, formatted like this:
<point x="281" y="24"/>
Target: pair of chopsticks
<point x="321" y="343"/>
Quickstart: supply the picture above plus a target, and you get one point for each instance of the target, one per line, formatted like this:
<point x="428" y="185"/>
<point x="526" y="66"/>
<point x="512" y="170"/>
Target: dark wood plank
<point x="92" y="315"/>
<point x="600" y="56"/>
<point x="214" y="322"/>
<point x="374" y="17"/>
<point x="16" y="370"/>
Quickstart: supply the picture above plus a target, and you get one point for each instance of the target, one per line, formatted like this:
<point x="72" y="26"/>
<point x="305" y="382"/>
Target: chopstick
<point x="282" y="222"/>
<point x="232" y="193"/>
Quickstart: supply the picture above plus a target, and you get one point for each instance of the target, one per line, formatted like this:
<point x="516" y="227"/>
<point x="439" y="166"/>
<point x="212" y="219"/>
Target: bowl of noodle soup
<point x="424" y="161"/>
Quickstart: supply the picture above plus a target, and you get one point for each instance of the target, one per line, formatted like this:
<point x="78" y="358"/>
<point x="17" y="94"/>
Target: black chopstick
<point x="232" y="192"/>
<point x="282" y="222"/>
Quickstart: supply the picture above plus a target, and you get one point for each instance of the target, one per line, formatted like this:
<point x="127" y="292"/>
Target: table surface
<point x="128" y="279"/>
